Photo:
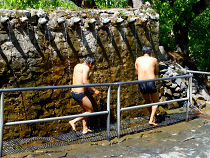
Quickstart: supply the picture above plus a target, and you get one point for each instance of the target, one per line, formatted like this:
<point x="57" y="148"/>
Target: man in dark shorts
<point x="80" y="77"/>
<point x="146" y="68"/>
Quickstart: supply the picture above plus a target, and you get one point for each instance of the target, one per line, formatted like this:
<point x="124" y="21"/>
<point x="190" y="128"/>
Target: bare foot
<point x="73" y="125"/>
<point x="153" y="123"/>
<point x="86" y="131"/>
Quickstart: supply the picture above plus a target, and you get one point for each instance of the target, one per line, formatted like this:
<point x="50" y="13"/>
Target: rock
<point x="161" y="110"/>
<point x="162" y="55"/>
<point x="194" y="90"/>
<point x="173" y="85"/>
<point x="177" y="89"/>
<point x="167" y="92"/>
<point x="163" y="98"/>
<point x="176" y="95"/>
<point x="183" y="86"/>
<point x="201" y="103"/>
<point x="178" y="81"/>
<point x="173" y="105"/>
<point x="199" y="97"/>
<point x="205" y="94"/>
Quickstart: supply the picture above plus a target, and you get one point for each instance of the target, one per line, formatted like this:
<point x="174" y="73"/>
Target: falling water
<point x="110" y="45"/>
<point x="65" y="46"/>
<point x="9" y="32"/>
<point x="123" y="33"/>
<point x="27" y="27"/>
<point x="136" y="43"/>
<point x="50" y="49"/>
<point x="96" y="38"/>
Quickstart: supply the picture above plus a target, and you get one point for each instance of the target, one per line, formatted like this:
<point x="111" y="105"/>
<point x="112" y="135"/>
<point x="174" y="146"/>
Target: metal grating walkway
<point x="128" y="126"/>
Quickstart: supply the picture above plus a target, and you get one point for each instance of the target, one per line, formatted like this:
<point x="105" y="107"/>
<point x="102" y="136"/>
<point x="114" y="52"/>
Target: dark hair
<point x="89" y="60"/>
<point x="146" y="49"/>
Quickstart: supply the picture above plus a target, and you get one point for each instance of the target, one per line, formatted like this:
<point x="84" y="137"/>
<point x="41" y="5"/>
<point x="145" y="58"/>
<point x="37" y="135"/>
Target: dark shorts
<point x="77" y="96"/>
<point x="147" y="87"/>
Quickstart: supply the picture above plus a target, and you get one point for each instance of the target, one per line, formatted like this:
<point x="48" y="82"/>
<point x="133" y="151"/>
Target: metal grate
<point x="128" y="126"/>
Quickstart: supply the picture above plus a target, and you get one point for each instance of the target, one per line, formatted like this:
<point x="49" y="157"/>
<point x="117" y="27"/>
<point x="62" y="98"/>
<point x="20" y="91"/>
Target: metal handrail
<point x="87" y="85"/>
<point x="90" y="114"/>
<point x="2" y="124"/>
<point x="188" y="98"/>
<point x="198" y="72"/>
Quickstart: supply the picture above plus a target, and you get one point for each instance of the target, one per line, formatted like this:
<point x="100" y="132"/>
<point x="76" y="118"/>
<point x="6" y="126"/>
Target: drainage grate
<point x="128" y="126"/>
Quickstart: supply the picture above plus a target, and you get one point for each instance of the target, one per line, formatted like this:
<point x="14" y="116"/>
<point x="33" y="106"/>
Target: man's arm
<point x="156" y="67"/>
<point x="136" y="68"/>
<point x="85" y="75"/>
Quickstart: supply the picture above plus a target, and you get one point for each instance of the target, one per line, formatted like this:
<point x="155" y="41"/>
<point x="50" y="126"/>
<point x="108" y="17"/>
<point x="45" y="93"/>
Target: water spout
<point x="23" y="19"/>
<point x="4" y="19"/>
<point x="61" y="20"/>
<point x="143" y="16"/>
<point x="76" y="20"/>
<point x="119" y="20"/>
<point x="106" y="21"/>
<point x="132" y="19"/>
<point x="92" y="21"/>
<point x="43" y="21"/>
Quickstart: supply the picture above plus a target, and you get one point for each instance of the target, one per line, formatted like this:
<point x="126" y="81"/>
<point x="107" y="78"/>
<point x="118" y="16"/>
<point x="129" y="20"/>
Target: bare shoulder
<point x="139" y="58"/>
<point x="154" y="59"/>
<point x="85" y="67"/>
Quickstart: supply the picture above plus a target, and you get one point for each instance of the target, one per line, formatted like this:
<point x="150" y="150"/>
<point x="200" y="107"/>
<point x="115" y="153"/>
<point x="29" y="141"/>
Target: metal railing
<point x="198" y="72"/>
<point x="2" y="124"/>
<point x="107" y="112"/>
<point x="188" y="98"/>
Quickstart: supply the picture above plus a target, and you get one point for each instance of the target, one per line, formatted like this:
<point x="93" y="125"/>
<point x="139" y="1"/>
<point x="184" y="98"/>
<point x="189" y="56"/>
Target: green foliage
<point x="36" y="4"/>
<point x="181" y="13"/>
<point x="112" y="3"/>
<point x="199" y="37"/>
<point x="53" y="4"/>
<point x="178" y="13"/>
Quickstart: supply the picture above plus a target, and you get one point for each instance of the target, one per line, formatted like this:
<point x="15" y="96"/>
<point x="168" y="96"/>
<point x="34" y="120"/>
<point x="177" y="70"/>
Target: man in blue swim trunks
<point x="80" y="77"/>
<point x="146" y="68"/>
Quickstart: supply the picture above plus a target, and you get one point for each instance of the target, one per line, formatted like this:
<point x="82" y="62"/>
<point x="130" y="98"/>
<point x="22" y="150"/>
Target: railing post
<point x="1" y="123"/>
<point x="108" y="116"/>
<point x="191" y="90"/>
<point x="189" y="96"/>
<point x="118" y="111"/>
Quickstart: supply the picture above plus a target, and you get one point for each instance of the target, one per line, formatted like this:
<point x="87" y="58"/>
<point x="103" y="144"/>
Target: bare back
<point x="146" y="67"/>
<point x="80" y="76"/>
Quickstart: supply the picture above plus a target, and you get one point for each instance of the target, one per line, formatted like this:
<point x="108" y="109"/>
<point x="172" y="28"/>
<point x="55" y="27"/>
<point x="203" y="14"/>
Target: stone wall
<point x="177" y="88"/>
<point x="40" y="48"/>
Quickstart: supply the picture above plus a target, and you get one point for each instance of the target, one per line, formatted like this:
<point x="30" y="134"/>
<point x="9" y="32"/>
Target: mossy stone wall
<point x="36" y="53"/>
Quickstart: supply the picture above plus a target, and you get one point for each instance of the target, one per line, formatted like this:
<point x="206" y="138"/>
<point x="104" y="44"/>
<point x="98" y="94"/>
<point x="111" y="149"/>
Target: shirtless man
<point x="80" y="77"/>
<point x="146" y="68"/>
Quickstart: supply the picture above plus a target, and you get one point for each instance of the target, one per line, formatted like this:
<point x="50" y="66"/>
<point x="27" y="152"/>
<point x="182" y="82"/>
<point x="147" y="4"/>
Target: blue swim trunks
<point x="77" y="96"/>
<point x="147" y="87"/>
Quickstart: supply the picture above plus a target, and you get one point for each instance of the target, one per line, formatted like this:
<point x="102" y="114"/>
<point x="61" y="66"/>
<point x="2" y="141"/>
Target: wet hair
<point x="89" y="60"/>
<point x="146" y="50"/>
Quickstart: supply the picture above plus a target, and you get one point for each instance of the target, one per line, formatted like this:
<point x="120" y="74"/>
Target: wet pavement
<point x="172" y="138"/>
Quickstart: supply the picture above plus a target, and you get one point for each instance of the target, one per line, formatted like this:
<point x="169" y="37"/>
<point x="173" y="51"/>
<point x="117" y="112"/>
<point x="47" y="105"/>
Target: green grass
<point x="36" y="4"/>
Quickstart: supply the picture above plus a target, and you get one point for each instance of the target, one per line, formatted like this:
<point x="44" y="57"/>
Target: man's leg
<point x="87" y="106"/>
<point x="155" y="98"/>
<point x="147" y="101"/>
